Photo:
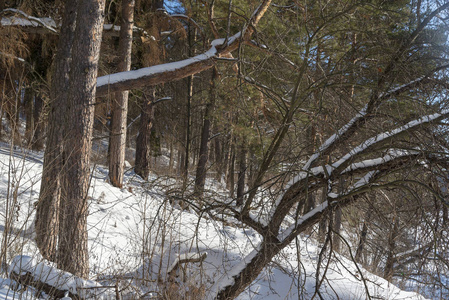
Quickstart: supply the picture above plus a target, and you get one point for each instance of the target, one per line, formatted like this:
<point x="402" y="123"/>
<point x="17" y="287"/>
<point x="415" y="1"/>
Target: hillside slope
<point x="136" y="236"/>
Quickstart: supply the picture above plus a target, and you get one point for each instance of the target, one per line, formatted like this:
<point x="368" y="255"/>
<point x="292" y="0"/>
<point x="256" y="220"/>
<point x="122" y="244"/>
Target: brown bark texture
<point x="143" y="150"/>
<point x="201" y="169"/>
<point x="72" y="243"/>
<point x="47" y="211"/>
<point x="117" y="140"/>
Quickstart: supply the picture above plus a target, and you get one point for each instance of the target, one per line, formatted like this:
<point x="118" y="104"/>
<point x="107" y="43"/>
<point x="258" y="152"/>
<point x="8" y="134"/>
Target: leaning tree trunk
<point x="268" y="249"/>
<point x="72" y="243"/>
<point x="47" y="211"/>
<point x="142" y="164"/>
<point x="117" y="139"/>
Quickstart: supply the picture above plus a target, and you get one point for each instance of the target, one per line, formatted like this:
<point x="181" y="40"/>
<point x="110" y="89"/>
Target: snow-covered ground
<point x="136" y="236"/>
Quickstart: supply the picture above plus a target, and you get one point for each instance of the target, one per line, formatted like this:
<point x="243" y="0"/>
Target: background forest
<point x="292" y="119"/>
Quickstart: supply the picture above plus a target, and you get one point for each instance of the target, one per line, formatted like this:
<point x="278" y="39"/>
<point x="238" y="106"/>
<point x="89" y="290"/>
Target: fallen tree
<point x="56" y="283"/>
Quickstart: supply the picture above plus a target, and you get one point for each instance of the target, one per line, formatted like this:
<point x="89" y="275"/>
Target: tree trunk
<point x="72" y="242"/>
<point x="47" y="211"/>
<point x="15" y="124"/>
<point x="218" y="159"/>
<point x="117" y="138"/>
<point x="389" y="265"/>
<point x="143" y="140"/>
<point x="171" y="159"/>
<point x="241" y="177"/>
<point x="181" y="157"/>
<point x="363" y="235"/>
<point x="191" y="41"/>
<point x="200" y="178"/>
<point x="337" y="229"/>
<point x="38" y="138"/>
<point x="231" y="178"/>
<point x="28" y="107"/>
<point x="142" y="164"/>
<point x="268" y="250"/>
<point x="185" y="169"/>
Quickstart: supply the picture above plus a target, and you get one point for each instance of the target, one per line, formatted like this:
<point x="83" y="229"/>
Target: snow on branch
<point x="332" y="140"/>
<point x="416" y="251"/>
<point x="318" y="211"/>
<point x="387" y="135"/>
<point x="164" y="72"/>
<point x="407" y="86"/>
<point x="403" y="87"/>
<point x="43" y="276"/>
<point x="228" y="278"/>
<point x="361" y="148"/>
<point x="362" y="182"/>
<point x="114" y="30"/>
<point x="186" y="258"/>
<point x="36" y="24"/>
<point x="376" y="162"/>
<point x="155" y="74"/>
<point x="47" y="23"/>
<point x="190" y="20"/>
<point x="12" y="56"/>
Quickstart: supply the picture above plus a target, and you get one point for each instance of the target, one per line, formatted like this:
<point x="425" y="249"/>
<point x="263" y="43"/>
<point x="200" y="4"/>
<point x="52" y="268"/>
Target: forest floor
<point x="138" y="233"/>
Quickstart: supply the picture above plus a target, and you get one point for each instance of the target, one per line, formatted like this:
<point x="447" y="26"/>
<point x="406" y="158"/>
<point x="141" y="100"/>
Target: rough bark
<point x="117" y="139"/>
<point x="72" y="243"/>
<point x="47" y="211"/>
<point x="142" y="164"/>
<point x="153" y="79"/>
